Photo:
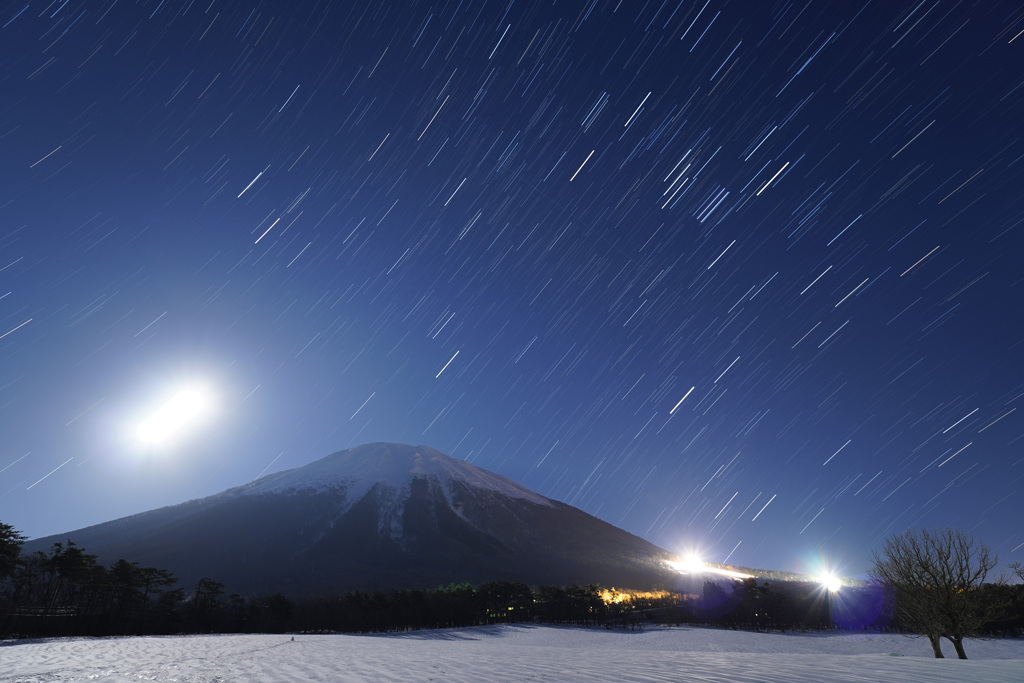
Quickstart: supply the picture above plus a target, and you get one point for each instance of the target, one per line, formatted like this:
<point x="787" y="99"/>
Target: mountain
<point x="377" y="516"/>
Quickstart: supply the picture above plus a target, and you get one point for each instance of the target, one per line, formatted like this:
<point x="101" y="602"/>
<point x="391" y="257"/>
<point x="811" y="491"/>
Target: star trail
<point x="743" y="278"/>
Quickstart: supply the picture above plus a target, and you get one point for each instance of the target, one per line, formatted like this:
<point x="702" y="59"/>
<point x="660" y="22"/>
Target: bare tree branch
<point x="934" y="576"/>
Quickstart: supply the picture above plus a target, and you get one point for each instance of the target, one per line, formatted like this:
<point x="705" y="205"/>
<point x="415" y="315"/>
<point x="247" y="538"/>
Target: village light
<point x="831" y="583"/>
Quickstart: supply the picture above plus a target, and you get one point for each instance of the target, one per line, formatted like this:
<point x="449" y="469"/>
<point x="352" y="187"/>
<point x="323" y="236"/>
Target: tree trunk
<point x="936" y="646"/>
<point x="958" y="644"/>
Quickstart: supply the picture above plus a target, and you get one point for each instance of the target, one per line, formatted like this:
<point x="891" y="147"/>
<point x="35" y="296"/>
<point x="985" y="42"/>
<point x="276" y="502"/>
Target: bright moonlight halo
<point x="184" y="410"/>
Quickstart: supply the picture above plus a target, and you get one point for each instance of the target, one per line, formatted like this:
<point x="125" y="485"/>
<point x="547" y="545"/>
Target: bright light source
<point x="693" y="564"/>
<point x="180" y="414"/>
<point x="690" y="564"/>
<point x="831" y="582"/>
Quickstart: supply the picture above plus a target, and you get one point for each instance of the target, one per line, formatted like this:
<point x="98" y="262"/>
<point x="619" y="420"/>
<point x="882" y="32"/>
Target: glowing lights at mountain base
<point x="695" y="565"/>
<point x="831" y="582"/>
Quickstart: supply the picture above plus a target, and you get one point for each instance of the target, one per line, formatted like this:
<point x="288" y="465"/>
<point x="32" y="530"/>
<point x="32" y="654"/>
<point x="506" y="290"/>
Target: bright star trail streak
<point x="155" y="321"/>
<point x="365" y="402"/>
<point x="15" y="462"/>
<point x="288" y="100"/>
<point x="722" y="254"/>
<point x="960" y="420"/>
<point x="15" y="328"/>
<point x="837" y="452"/>
<point x="723" y="372"/>
<point x="770" y="180"/>
<point x="446" y="365"/>
<point x="581" y="166"/>
<point x="45" y="157"/>
<point x="681" y="400"/>
<point x="954" y="455"/>
<point x="266" y="231"/>
<point x="250" y="184"/>
<point x="763" y="509"/>
<point x="432" y="119"/>
<point x="633" y="115"/>
<point x="804" y="290"/>
<point x="726" y="504"/>
<point x="833" y="334"/>
<point x="50" y="472"/>
<point x="916" y="263"/>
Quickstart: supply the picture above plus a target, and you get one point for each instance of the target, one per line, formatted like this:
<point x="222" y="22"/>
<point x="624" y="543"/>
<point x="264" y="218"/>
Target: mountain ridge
<point x="359" y="469"/>
<point x="377" y="516"/>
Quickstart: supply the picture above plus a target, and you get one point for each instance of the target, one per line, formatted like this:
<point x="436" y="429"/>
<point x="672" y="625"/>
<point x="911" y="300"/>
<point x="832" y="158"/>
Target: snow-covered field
<point x="511" y="653"/>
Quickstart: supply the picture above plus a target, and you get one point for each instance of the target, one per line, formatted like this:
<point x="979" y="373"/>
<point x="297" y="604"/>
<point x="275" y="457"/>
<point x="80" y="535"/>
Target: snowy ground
<point x="511" y="653"/>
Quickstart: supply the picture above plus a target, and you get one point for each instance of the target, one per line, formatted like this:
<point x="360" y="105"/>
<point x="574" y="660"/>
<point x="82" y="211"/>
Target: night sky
<point x="740" y="277"/>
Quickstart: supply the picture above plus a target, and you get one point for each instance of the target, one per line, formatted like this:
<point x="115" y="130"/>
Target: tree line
<point x="66" y="592"/>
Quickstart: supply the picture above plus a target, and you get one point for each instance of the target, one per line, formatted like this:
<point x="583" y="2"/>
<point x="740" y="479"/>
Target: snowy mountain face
<point x="392" y="466"/>
<point x="376" y="516"/>
<point x="388" y="470"/>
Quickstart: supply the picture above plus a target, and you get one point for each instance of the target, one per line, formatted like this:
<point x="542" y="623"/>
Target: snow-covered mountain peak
<point x="357" y="470"/>
<point x="374" y="517"/>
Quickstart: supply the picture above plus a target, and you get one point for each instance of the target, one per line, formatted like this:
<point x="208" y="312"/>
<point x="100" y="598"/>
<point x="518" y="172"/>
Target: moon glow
<point x="181" y="414"/>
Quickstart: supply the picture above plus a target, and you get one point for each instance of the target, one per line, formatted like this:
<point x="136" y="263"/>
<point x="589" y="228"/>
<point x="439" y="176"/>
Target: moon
<point x="185" y="409"/>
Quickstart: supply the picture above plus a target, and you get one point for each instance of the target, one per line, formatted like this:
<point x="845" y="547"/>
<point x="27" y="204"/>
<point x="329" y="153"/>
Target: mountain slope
<point x="377" y="516"/>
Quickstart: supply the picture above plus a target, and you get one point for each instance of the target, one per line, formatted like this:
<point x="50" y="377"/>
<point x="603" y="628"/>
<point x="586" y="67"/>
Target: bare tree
<point x="934" y="576"/>
<point x="1018" y="569"/>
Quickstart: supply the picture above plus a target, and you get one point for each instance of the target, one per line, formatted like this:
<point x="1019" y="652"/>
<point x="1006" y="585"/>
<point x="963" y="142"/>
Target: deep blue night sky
<point x="678" y="263"/>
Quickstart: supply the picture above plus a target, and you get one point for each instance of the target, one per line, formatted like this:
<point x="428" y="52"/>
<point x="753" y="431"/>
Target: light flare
<point x="695" y="565"/>
<point x="831" y="582"/>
